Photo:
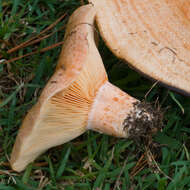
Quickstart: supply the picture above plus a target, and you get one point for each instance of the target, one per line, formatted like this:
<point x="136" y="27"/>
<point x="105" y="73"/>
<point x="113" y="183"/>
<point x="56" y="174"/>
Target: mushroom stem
<point x="109" y="110"/>
<point x="116" y="113"/>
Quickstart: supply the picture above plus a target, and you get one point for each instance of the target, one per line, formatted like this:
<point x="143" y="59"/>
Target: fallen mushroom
<point x="79" y="97"/>
<point x="153" y="36"/>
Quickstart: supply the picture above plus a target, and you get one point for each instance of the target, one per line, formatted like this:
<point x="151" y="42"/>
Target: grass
<point x="92" y="161"/>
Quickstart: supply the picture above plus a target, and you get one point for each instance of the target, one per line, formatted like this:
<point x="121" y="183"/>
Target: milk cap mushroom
<point x="152" y="36"/>
<point x="79" y="97"/>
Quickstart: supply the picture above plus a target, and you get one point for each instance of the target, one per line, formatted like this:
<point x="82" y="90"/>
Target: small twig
<point x="144" y="163"/>
<point x="119" y="176"/>
<point x="38" y="39"/>
<point x="34" y="52"/>
<point x="40" y="164"/>
<point x="10" y="174"/>
<point x="6" y="172"/>
<point x="30" y="41"/>
<point x="151" y="89"/>
<point x="139" y="166"/>
<point x="149" y="153"/>
<point x="165" y="97"/>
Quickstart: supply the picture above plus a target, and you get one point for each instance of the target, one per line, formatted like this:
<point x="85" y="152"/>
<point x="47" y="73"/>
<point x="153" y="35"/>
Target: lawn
<point x="31" y="35"/>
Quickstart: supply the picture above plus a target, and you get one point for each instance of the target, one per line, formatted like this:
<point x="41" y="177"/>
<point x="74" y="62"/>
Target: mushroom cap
<point x="152" y="36"/>
<point x="61" y="112"/>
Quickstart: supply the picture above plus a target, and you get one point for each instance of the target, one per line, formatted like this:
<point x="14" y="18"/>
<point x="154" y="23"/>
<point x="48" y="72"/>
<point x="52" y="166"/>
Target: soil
<point x="143" y="122"/>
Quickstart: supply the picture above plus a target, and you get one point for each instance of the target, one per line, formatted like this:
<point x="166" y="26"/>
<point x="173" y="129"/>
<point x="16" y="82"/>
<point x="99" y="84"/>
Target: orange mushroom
<point x="79" y="97"/>
<point x="152" y="36"/>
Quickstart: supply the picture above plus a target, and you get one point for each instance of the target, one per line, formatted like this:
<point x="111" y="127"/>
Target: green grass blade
<point x="63" y="164"/>
<point x="9" y="98"/>
<point x="27" y="174"/>
<point x="15" y="7"/>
